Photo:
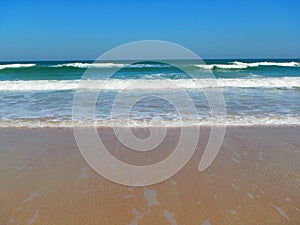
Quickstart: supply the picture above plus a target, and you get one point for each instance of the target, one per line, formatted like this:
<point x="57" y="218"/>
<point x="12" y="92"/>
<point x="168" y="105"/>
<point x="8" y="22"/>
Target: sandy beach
<point x="255" y="179"/>
<point x="150" y="113"/>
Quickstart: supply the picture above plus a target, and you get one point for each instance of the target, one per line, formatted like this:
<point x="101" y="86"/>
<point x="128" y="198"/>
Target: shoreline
<point x="144" y="127"/>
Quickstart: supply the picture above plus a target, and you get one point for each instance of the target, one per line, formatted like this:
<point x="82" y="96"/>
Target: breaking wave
<point x="144" y="84"/>
<point x="109" y="65"/>
<point x="242" y="65"/>
<point x="16" y="65"/>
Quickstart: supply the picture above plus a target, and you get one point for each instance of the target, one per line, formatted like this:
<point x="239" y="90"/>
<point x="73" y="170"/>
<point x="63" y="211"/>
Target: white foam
<point x="221" y="66"/>
<point x="109" y="65"/>
<point x="256" y="64"/>
<point x="16" y="65"/>
<point x="224" y="121"/>
<point x="38" y="85"/>
<point x="90" y="65"/>
<point x="242" y="65"/>
<point x="143" y="84"/>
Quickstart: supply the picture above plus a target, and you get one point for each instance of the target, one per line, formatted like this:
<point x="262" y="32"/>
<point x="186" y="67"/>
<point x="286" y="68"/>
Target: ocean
<point x="256" y="91"/>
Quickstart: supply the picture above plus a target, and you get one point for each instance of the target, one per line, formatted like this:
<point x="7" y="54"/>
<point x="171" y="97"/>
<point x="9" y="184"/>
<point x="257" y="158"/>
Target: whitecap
<point x="243" y="65"/>
<point x="16" y="65"/>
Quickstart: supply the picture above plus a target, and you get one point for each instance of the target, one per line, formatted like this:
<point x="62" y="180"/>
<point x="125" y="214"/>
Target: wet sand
<point x="255" y="179"/>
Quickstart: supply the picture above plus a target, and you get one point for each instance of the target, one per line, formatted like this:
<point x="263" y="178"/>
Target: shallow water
<point x="41" y="94"/>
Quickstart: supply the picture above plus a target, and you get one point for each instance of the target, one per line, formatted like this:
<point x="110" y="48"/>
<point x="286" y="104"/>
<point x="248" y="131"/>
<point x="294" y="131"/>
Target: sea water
<point x="41" y="94"/>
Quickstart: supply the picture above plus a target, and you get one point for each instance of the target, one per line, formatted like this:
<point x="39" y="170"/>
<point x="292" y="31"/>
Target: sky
<point x="70" y="30"/>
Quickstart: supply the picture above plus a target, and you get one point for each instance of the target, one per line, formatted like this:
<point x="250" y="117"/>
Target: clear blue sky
<point x="32" y="30"/>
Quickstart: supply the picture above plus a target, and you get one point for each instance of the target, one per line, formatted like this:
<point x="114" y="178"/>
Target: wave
<point x="85" y="65"/>
<point x="242" y="65"/>
<point x="16" y="65"/>
<point x="110" y="65"/>
<point x="90" y="65"/>
<point x="143" y="84"/>
<point x="256" y="64"/>
<point x="232" y="65"/>
<point x="221" y="66"/>
<point x="227" y="121"/>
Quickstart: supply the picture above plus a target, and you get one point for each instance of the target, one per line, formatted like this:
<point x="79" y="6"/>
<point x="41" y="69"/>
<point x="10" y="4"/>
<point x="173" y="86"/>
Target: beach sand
<point x="255" y="179"/>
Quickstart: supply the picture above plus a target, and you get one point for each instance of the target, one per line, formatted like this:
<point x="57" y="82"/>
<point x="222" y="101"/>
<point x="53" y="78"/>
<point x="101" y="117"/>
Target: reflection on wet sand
<point x="44" y="180"/>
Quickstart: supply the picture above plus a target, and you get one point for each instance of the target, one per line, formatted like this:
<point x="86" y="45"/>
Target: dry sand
<point x="255" y="179"/>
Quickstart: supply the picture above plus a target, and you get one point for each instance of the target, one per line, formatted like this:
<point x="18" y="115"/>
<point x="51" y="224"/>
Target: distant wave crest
<point x="85" y="65"/>
<point x="109" y="65"/>
<point x="16" y="65"/>
<point x="242" y="65"/>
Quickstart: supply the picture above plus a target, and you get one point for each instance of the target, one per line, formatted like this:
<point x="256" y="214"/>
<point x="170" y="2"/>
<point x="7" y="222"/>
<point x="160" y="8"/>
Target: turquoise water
<point x="255" y="91"/>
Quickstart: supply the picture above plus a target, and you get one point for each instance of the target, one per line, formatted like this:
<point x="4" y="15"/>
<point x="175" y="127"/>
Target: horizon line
<point x="71" y="60"/>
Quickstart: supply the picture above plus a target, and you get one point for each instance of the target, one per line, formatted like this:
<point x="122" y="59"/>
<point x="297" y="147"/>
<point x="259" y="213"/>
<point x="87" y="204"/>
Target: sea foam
<point x="110" y="65"/>
<point x="15" y="65"/>
<point x="161" y="122"/>
<point x="242" y="65"/>
<point x="144" y="84"/>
